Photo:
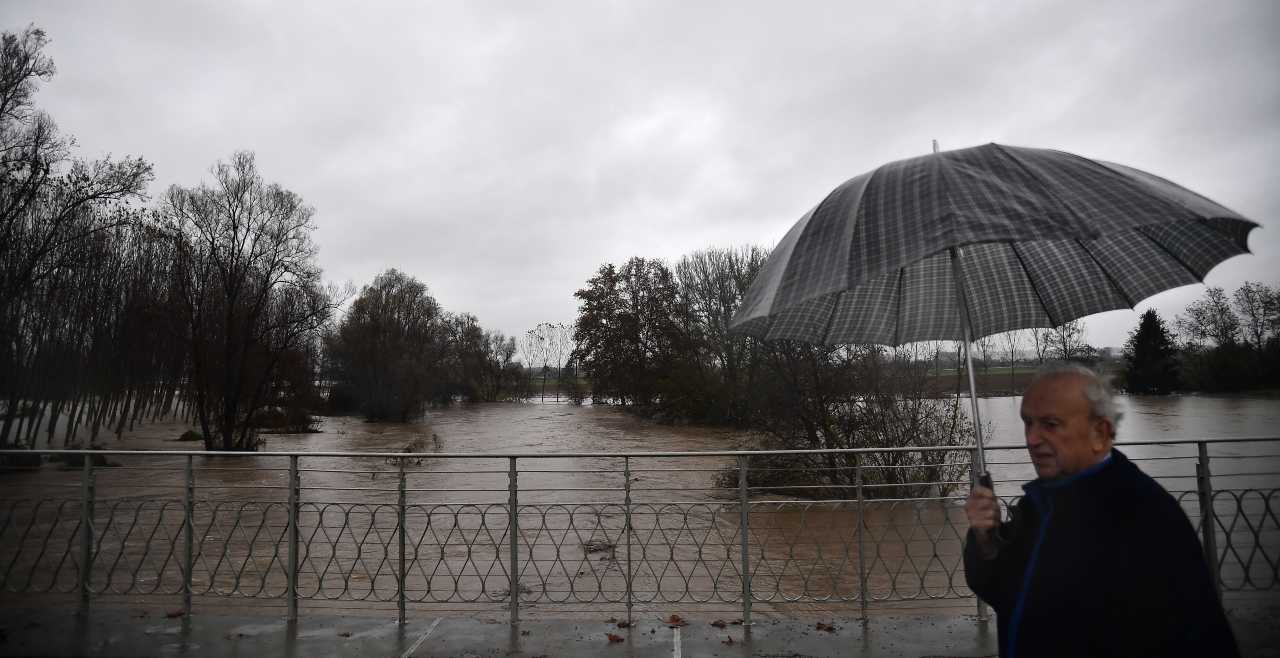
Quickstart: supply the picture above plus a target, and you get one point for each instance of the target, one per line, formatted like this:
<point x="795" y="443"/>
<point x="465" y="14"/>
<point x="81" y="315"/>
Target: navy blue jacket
<point x="1102" y="563"/>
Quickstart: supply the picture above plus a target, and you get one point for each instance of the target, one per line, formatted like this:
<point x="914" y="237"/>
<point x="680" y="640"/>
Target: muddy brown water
<point x="683" y="551"/>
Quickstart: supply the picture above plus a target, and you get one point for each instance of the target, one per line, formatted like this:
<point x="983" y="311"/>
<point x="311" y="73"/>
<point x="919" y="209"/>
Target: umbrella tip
<point x="935" y="146"/>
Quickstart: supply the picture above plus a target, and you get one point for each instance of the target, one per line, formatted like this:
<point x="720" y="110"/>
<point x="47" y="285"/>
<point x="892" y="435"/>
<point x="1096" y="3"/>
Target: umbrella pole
<point x="978" y="473"/>
<point x="979" y="458"/>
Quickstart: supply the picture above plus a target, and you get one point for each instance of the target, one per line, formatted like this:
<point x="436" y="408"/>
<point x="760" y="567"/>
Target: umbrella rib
<point x="897" y="326"/>
<point x="1161" y="247"/>
<point x="1031" y="280"/>
<point x="1110" y="279"/>
<point x="831" y="319"/>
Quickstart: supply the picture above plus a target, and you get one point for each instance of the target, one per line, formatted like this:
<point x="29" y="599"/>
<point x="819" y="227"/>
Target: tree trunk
<point x="21" y="423"/>
<point x="33" y="423"/>
<point x="10" y="413"/>
<point x="73" y="419"/>
<point x="123" y="416"/>
<point x="98" y="416"/>
<point x="53" y="421"/>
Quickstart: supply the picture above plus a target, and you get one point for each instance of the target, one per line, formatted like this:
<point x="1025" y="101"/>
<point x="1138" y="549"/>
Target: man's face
<point x="1062" y="437"/>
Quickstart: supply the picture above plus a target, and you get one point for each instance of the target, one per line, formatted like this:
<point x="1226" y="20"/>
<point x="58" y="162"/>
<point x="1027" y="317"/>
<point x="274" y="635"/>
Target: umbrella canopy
<point x="1017" y="237"/>
<point x="963" y="244"/>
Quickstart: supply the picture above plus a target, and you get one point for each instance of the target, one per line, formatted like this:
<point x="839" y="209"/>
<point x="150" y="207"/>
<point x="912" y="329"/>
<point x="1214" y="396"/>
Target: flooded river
<point x="593" y="532"/>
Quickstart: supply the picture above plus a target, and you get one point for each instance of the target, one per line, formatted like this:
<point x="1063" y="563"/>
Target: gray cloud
<point x="502" y="153"/>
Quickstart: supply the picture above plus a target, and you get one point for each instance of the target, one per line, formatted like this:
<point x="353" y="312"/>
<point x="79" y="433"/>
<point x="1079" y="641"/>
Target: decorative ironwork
<point x="187" y="528"/>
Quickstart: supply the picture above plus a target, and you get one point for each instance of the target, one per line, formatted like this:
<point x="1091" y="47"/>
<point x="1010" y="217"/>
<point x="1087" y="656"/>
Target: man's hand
<point x="983" y="510"/>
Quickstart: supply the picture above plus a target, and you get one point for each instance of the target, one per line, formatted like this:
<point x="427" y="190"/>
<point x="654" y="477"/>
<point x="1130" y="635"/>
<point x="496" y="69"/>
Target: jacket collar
<point x="1038" y="485"/>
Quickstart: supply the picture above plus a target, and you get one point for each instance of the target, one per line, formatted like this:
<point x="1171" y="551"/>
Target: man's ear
<point x="1104" y="432"/>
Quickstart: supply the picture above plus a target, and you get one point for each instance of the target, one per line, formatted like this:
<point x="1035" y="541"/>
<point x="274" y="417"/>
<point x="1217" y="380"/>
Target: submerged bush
<point x="824" y="398"/>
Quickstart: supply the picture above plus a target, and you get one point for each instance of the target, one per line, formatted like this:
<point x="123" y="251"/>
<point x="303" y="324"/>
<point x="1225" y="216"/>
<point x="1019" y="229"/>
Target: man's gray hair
<point x="1098" y="391"/>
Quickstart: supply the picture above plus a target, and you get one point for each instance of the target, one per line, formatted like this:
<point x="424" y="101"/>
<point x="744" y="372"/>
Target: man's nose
<point x="1033" y="437"/>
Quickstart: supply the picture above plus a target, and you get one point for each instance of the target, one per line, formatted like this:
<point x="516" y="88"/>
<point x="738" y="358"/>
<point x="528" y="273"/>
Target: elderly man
<point x="1098" y="559"/>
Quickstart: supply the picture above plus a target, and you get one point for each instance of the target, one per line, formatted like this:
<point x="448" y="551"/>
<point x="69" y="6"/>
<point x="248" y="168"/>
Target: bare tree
<point x="1012" y="341"/>
<point x="1041" y="340"/>
<point x="535" y="347"/>
<point x="249" y="287"/>
<point x="1210" y="318"/>
<point x="1067" y="342"/>
<point x="986" y="345"/>
<point x="1253" y="302"/>
<point x="712" y="283"/>
<point x="559" y="345"/>
<point x="45" y="195"/>
<point x="51" y="206"/>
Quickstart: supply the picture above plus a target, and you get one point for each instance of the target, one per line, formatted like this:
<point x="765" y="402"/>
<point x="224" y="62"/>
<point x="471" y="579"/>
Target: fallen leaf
<point x="727" y="640"/>
<point x="525" y="632"/>
<point x="174" y="614"/>
<point x="719" y="623"/>
<point x="826" y="627"/>
<point x="624" y="624"/>
<point x="676" y="620"/>
<point x="736" y="622"/>
<point x="615" y="638"/>
<point x="344" y="634"/>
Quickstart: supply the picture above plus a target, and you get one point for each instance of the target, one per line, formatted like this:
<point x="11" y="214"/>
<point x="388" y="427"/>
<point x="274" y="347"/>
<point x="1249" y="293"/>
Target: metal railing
<point x="779" y="532"/>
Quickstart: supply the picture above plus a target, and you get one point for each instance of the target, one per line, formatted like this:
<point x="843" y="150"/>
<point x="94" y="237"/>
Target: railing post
<point x="400" y="530"/>
<point x="86" y="530"/>
<point x="188" y="536"/>
<point x="294" y="486"/>
<point x="626" y="512"/>
<point x="974" y="460"/>
<point x="513" y="529"/>
<point x="862" y="560"/>
<point x="744" y="525"/>
<point x="1208" y="520"/>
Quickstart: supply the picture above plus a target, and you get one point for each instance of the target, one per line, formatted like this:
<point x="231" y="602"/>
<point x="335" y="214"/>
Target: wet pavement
<point x="119" y="633"/>
<point x="46" y="632"/>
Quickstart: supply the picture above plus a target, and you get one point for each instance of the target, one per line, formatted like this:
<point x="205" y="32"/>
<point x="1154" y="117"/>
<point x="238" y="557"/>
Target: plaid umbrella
<point x="963" y="244"/>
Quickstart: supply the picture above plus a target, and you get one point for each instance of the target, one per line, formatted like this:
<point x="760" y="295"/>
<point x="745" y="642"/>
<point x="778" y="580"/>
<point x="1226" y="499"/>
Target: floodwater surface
<point x="592" y="531"/>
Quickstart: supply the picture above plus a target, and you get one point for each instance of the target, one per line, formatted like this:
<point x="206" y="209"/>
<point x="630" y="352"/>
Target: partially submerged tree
<point x="1151" y="358"/>
<point x="249" y="290"/>
<point x="536" y="350"/>
<point x="389" y="349"/>
<point x="54" y="210"/>
<point x="628" y="338"/>
<point x="559" y="347"/>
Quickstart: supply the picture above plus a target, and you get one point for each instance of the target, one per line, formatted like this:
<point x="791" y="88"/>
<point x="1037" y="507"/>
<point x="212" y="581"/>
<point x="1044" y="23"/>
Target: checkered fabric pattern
<point x="1037" y="238"/>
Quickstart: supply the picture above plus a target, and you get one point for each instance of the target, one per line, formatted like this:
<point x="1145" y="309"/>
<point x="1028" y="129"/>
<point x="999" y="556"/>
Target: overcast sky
<point x="501" y="152"/>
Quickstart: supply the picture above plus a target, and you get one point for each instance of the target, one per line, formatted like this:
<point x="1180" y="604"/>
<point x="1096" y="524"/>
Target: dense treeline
<point x="396" y="351"/>
<point x="1219" y="343"/>
<point x="65" y="325"/>
<point x="656" y="340"/>
<point x="208" y="303"/>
